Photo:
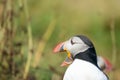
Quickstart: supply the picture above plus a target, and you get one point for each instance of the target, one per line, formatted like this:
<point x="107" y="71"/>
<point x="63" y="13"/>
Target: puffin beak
<point x="60" y="48"/>
<point x="66" y="62"/>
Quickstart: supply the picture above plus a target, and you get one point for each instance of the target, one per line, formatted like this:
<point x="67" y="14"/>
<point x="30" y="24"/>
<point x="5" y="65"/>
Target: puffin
<point x="81" y="51"/>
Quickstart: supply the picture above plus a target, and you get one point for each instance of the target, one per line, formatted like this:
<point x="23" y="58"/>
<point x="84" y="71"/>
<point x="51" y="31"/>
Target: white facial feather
<point x="75" y="45"/>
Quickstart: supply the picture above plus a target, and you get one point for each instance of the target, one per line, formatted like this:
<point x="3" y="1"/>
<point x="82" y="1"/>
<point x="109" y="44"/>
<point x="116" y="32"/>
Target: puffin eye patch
<point x="73" y="42"/>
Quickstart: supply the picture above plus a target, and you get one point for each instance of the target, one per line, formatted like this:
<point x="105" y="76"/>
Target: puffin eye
<point x="72" y="42"/>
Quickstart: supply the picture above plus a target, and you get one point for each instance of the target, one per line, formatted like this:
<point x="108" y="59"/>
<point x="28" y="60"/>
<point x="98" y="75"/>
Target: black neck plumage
<point x="89" y="55"/>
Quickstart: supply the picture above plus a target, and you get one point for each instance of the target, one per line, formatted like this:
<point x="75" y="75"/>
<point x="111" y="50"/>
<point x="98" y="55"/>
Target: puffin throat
<point x="88" y="55"/>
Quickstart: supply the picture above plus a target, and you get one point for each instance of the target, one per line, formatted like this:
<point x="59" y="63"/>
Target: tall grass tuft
<point x="43" y="43"/>
<point x="13" y="65"/>
<point x="114" y="48"/>
<point x="30" y="41"/>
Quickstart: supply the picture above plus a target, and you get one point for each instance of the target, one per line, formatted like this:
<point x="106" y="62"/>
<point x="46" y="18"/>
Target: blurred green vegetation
<point x="72" y="17"/>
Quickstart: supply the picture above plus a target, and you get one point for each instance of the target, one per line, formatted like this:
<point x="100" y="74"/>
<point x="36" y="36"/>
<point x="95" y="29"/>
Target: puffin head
<point x="78" y="46"/>
<point x="81" y="47"/>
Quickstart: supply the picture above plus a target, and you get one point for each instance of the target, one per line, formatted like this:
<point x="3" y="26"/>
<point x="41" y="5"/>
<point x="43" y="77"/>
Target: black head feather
<point x="86" y="40"/>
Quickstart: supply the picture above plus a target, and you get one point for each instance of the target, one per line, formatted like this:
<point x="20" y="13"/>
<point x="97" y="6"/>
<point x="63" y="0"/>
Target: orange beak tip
<point x="64" y="64"/>
<point x="109" y="66"/>
<point x="55" y="50"/>
<point x="58" y="48"/>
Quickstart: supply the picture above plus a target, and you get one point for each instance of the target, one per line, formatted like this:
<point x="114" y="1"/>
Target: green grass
<point x="72" y="17"/>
